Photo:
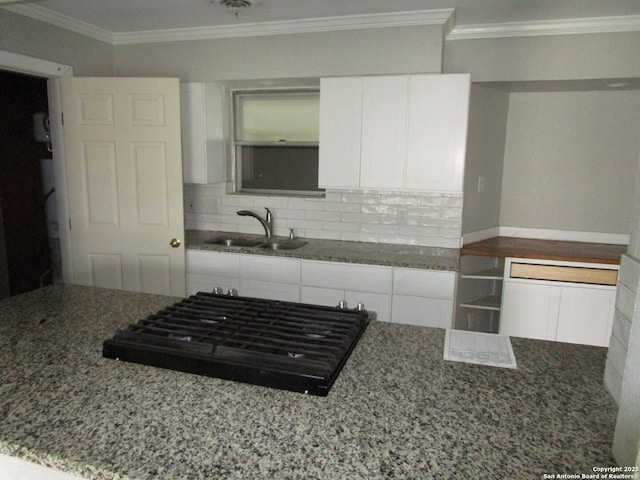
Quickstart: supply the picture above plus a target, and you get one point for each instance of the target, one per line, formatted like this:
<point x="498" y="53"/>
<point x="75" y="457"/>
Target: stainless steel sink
<point x="284" y="245"/>
<point x="235" y="242"/>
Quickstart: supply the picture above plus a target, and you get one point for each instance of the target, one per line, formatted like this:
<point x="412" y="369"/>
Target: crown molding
<point x="349" y="22"/>
<point x="311" y="25"/>
<point x="444" y="17"/>
<point x="569" y="26"/>
<point x="63" y="21"/>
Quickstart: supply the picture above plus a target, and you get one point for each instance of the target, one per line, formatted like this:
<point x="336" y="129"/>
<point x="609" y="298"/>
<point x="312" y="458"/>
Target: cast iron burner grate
<point x="285" y="345"/>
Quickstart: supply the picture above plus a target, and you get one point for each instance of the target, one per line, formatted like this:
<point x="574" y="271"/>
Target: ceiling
<point x="128" y="16"/>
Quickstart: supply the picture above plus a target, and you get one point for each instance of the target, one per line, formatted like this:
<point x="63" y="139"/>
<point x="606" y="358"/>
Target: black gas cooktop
<point x="285" y="345"/>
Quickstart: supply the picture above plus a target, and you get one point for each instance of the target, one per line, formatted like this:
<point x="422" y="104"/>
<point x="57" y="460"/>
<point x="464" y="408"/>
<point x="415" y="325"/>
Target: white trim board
<point x="444" y="17"/>
<point x="348" y="22"/>
<point x="546" y="234"/>
<point x="33" y="66"/>
<point x="41" y="68"/>
<point x="568" y="26"/>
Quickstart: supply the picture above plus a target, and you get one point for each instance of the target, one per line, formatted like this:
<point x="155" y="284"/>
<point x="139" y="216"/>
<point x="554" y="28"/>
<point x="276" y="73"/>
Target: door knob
<point x="175" y="243"/>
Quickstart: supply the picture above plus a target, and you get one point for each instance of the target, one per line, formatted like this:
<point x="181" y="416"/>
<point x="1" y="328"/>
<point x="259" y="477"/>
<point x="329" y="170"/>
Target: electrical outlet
<point x="480" y="184"/>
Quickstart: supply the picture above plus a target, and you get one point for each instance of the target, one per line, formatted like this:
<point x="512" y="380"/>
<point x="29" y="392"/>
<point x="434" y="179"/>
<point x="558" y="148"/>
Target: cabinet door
<point x="586" y="316"/>
<point x="340" y="130"/>
<point x="346" y="276"/>
<point x="217" y="264"/>
<point x="384" y="131"/>
<point x="437" y="132"/>
<point x="530" y="310"/>
<point x="373" y="302"/>
<point x="424" y="283"/>
<point x="270" y="269"/>
<point x="329" y="297"/>
<point x="422" y="311"/>
<point x="194" y="154"/>
<point x="203" y="132"/>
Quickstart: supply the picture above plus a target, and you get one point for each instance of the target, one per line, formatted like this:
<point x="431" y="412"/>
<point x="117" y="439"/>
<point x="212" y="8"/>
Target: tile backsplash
<point x="410" y="218"/>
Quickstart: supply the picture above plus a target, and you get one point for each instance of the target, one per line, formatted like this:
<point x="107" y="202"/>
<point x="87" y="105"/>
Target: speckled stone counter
<point x="409" y="256"/>
<point x="397" y="410"/>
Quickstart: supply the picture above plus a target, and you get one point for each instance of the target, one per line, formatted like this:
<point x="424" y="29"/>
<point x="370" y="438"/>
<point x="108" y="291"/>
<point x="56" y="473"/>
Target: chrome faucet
<point x="267" y="223"/>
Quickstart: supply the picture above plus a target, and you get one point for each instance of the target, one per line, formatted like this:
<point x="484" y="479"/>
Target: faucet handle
<point x="268" y="214"/>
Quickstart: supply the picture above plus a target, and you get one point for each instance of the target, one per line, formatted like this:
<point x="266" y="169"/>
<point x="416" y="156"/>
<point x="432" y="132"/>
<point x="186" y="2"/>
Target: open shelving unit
<point x="479" y="293"/>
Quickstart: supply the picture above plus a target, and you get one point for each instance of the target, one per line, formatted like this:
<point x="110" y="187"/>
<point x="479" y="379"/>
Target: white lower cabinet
<point x="252" y="275"/>
<point x="208" y="270"/>
<point x="286" y="292"/>
<point x="326" y="283"/>
<point x="374" y="302"/>
<point x="530" y="310"/>
<point x="538" y="302"/>
<point x="586" y="316"/>
<point x="423" y="297"/>
<point x="423" y="311"/>
<point x="400" y="295"/>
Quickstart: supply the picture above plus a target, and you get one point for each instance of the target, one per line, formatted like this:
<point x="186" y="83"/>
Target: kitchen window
<point x="276" y="141"/>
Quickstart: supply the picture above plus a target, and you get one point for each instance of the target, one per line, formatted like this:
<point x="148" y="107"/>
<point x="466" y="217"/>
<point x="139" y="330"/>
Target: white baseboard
<point x="545" y="234"/>
<point x="564" y="235"/>
<point x="480" y="235"/>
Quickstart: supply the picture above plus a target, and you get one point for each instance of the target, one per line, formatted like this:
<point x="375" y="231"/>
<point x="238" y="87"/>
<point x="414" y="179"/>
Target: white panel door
<point x="124" y="176"/>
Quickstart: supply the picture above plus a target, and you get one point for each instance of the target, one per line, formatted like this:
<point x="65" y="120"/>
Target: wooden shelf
<point x="491" y="274"/>
<point x="485" y="303"/>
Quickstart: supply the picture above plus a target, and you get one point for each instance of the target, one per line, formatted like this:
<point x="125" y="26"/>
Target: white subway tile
<point x="323" y="216"/>
<point x="359" y="237"/>
<point x="322" y="234"/>
<point x="361" y="217"/>
<point x="400" y="200"/>
<point x="451" y="212"/>
<point x="341" y="226"/>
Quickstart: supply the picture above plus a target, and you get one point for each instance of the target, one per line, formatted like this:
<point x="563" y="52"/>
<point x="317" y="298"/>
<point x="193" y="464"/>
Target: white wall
<point x="570" y="161"/>
<point x="369" y="51"/>
<point x="554" y="57"/>
<point x="25" y="36"/>
<point x="485" y="153"/>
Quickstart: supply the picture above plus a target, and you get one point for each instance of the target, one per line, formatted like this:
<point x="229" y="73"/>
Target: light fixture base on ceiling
<point x="236" y="6"/>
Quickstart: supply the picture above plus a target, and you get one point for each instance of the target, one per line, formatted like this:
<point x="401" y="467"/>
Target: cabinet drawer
<point x="270" y="269"/>
<point x="285" y="292"/>
<point x="213" y="263"/>
<point x="206" y="283"/>
<point x="559" y="273"/>
<point x="347" y="276"/>
<point x="424" y="283"/>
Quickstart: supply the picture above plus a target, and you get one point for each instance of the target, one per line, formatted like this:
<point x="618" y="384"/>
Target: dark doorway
<point x="22" y="200"/>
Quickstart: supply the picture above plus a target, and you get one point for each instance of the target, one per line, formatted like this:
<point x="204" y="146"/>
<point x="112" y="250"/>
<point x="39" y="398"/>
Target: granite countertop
<point x="397" y="410"/>
<point x="410" y="256"/>
<point x="547" y="250"/>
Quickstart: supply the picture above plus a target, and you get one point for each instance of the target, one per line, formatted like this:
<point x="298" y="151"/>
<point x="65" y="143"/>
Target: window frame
<point x="236" y="145"/>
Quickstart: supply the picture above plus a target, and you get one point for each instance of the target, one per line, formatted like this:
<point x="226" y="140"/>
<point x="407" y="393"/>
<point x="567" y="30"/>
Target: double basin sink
<point x="262" y="243"/>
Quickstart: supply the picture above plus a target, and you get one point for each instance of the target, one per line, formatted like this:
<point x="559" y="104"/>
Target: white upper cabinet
<point x="203" y="132"/>
<point x="438" y="112"/>
<point x="384" y="132"/>
<point x="340" y="131"/>
<point x="394" y="132"/>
